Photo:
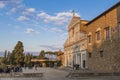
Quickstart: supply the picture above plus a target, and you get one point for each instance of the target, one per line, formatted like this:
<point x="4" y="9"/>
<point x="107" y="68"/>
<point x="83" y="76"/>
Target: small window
<point x="89" y="39"/>
<point x="98" y="35"/>
<point x="72" y="31"/>
<point x="107" y="33"/>
<point x="101" y="53"/>
<point x="119" y="27"/>
<point x="90" y="55"/>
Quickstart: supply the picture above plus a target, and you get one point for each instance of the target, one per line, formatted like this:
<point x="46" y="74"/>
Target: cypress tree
<point x="18" y="53"/>
<point x="42" y="54"/>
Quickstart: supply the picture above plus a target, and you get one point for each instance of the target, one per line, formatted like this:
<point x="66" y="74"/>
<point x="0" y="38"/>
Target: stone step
<point x="17" y="75"/>
<point x="78" y="74"/>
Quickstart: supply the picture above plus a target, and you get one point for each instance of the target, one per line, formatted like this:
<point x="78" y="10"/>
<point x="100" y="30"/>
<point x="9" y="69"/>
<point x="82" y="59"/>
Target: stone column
<point x="81" y="60"/>
<point x="71" y="60"/>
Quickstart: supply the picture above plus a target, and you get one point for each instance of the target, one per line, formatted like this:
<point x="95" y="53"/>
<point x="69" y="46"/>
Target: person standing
<point x="35" y="67"/>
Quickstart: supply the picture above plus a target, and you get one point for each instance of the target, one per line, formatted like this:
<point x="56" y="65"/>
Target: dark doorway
<point x="84" y="63"/>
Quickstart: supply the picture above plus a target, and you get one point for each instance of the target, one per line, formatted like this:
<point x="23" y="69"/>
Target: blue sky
<point x="42" y="24"/>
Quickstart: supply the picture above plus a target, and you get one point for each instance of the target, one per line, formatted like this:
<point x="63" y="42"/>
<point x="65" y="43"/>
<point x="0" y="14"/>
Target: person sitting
<point x="7" y="70"/>
<point x="20" y="69"/>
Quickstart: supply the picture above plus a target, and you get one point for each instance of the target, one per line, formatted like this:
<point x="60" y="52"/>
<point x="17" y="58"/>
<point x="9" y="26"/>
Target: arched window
<point x="98" y="36"/>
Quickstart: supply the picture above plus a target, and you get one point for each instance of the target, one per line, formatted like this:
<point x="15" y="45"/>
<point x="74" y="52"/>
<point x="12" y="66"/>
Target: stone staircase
<point x="69" y="69"/>
<point x="78" y="74"/>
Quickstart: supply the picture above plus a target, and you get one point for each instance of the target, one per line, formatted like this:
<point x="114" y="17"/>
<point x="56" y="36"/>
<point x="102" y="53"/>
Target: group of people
<point x="10" y="69"/>
<point x="76" y="67"/>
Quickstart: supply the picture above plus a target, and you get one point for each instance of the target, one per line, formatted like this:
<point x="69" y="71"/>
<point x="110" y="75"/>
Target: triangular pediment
<point x="74" y="20"/>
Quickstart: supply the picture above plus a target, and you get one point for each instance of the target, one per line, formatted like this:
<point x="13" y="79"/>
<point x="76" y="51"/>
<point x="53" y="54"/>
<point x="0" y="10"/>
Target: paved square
<point x="57" y="74"/>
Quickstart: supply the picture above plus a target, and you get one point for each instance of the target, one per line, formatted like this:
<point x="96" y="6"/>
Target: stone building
<point x="103" y="41"/>
<point x="99" y="39"/>
<point x="76" y="43"/>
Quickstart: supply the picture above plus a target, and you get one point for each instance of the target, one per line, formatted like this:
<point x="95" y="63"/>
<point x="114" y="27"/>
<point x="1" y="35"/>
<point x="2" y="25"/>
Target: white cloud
<point x="54" y="29"/>
<point x="14" y="1"/>
<point x="23" y="18"/>
<point x="31" y="10"/>
<point x="18" y="1"/>
<point x="59" y="18"/>
<point x="51" y="47"/>
<point x="13" y="10"/>
<point x="15" y="5"/>
<point x="2" y="5"/>
<point x="30" y="31"/>
<point x="28" y="11"/>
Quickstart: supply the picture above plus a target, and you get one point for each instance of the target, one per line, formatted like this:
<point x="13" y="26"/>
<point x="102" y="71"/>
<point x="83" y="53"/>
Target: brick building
<point x="103" y="42"/>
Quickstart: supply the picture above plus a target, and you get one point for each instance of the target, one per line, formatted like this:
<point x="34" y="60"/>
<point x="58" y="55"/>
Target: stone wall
<point x="108" y="60"/>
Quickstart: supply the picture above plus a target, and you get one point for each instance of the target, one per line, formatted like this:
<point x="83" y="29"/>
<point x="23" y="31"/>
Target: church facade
<point x="76" y="44"/>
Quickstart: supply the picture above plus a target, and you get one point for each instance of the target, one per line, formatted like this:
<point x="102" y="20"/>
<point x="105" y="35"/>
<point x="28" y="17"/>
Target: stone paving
<point x="54" y="74"/>
<point x="48" y="74"/>
<point x="58" y="74"/>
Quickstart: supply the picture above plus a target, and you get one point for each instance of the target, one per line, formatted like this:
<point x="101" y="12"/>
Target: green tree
<point x="18" y="53"/>
<point x="42" y="54"/>
<point x="28" y="58"/>
<point x="5" y="54"/>
<point x="8" y="57"/>
<point x="5" y="58"/>
<point x="25" y="59"/>
<point x="12" y="58"/>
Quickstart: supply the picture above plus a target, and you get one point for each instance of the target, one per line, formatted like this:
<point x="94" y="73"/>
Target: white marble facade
<point x="75" y="45"/>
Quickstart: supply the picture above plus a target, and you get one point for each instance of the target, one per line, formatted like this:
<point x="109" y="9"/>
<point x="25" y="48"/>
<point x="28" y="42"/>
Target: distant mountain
<point x="33" y="53"/>
<point x="1" y="54"/>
